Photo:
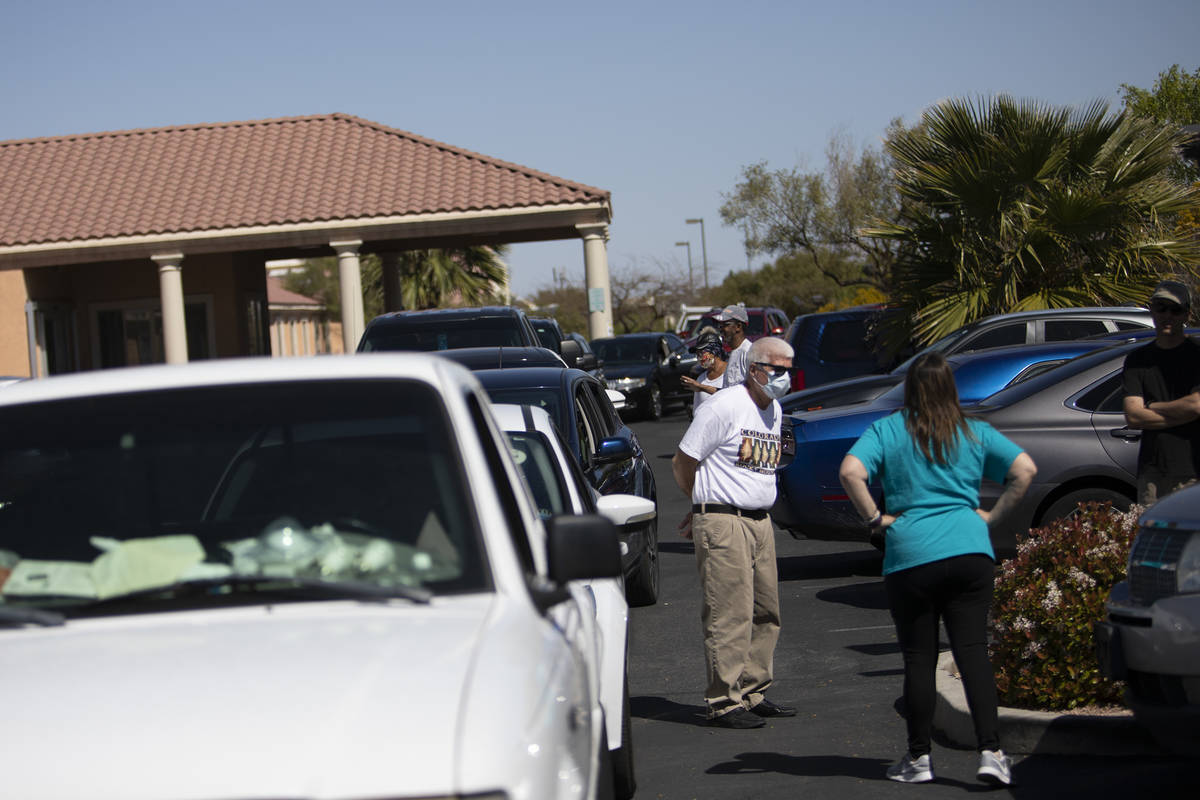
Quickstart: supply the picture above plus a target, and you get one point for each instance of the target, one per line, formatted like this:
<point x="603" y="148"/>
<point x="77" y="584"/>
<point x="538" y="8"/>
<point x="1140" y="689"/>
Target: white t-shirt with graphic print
<point x="737" y="446"/>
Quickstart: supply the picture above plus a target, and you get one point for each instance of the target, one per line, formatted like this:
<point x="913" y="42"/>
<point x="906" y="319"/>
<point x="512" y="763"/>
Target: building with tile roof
<point x="147" y="245"/>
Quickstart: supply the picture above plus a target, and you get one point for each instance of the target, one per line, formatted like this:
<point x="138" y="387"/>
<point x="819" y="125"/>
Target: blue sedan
<point x="811" y="502"/>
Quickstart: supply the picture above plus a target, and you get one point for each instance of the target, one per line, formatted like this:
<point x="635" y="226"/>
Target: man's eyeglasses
<point x="772" y="369"/>
<point x="1164" y="307"/>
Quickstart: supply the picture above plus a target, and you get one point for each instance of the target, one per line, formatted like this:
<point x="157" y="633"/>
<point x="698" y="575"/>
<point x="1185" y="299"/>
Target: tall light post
<point x="688" y="245"/>
<point x="703" y="245"/>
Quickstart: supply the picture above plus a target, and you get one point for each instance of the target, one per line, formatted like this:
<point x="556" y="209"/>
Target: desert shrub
<point x="1048" y="599"/>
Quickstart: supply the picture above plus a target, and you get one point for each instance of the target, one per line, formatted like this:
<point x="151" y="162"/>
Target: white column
<point x="350" y="281"/>
<point x="595" y="266"/>
<point x="170" y="288"/>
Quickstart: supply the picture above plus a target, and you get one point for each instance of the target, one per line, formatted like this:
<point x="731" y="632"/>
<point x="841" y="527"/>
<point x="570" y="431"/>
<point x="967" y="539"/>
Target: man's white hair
<point x="767" y="347"/>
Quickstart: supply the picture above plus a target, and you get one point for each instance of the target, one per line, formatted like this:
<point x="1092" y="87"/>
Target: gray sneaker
<point x="994" y="767"/>
<point x="911" y="770"/>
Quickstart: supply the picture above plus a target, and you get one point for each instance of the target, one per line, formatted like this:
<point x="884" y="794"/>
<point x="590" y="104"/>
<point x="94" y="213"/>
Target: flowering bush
<point x="1048" y="598"/>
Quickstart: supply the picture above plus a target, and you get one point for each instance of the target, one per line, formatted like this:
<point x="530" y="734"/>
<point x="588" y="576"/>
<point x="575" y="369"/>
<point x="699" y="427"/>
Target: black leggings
<point x="958" y="591"/>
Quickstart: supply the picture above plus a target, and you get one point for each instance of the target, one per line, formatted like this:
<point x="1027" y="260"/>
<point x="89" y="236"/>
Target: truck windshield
<point x="347" y="481"/>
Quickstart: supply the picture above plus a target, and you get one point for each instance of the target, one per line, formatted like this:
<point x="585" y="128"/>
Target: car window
<point x="1105" y="396"/>
<point x="1126" y="325"/>
<point x="625" y="350"/>
<point x="1000" y="336"/>
<point x="584" y="429"/>
<point x="844" y="340"/>
<point x="675" y="343"/>
<point x="340" y="466"/>
<point x="606" y="416"/>
<point x="531" y="451"/>
<point x="1065" y="330"/>
<point x="444" y="334"/>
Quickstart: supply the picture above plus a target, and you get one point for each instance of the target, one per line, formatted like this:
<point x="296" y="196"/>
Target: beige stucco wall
<point x="14" y="342"/>
<point x="228" y="281"/>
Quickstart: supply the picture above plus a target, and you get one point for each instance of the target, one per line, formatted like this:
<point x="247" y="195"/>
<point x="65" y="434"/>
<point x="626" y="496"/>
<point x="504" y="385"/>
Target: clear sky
<point x="660" y="102"/>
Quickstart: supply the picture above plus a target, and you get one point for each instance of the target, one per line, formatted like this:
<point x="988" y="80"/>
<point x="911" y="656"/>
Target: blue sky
<point x="661" y="103"/>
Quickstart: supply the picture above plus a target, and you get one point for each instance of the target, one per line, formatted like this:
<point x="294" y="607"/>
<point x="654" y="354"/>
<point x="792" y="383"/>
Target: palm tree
<point x="1008" y="206"/>
<point x="470" y="275"/>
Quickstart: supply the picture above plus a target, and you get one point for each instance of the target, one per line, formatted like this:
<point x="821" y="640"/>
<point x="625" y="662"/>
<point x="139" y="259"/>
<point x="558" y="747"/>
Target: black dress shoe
<point x="768" y="709"/>
<point x="738" y="718"/>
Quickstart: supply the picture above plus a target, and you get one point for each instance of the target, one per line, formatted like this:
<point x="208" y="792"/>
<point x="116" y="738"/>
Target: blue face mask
<point x="778" y="385"/>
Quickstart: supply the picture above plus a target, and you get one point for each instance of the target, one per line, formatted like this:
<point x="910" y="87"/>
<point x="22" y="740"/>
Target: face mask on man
<point x="778" y="385"/>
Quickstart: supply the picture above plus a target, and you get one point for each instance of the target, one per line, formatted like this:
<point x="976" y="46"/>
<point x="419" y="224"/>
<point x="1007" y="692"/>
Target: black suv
<point x="449" y="329"/>
<point x="646" y="368"/>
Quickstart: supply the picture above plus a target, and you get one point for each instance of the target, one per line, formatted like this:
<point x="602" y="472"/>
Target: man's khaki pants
<point x="740" y="593"/>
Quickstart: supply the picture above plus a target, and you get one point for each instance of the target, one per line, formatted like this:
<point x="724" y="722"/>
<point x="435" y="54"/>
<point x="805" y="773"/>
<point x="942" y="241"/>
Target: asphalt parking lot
<point x="838" y="662"/>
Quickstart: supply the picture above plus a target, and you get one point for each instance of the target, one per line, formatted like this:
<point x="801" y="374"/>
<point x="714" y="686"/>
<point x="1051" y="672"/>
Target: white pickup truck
<point x="318" y="578"/>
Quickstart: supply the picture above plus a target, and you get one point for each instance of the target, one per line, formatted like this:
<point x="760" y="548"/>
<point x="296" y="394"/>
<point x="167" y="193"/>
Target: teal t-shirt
<point x="934" y="504"/>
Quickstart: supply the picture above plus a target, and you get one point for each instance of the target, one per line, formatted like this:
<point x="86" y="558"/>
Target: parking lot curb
<point x="1038" y="732"/>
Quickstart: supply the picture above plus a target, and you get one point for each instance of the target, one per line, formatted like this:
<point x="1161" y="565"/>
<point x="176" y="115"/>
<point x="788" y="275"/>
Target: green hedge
<point x="1047" y="601"/>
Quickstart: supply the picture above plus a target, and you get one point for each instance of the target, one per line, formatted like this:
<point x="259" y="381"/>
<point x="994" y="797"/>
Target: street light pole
<point x="703" y="245"/>
<point x="688" y="245"/>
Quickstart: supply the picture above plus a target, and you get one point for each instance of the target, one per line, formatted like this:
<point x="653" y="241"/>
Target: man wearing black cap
<point x="710" y="352"/>
<point x="1162" y="397"/>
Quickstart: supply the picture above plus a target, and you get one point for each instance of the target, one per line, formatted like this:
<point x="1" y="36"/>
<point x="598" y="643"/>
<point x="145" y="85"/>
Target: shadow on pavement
<point x="681" y="546"/>
<point x="753" y="763"/>
<point x="664" y="710"/>
<point x="863" y="563"/>
<point x="859" y="595"/>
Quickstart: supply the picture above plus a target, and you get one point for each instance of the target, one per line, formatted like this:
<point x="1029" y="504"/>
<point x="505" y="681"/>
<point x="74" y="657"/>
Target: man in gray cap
<point x="1162" y="397"/>
<point x="734" y="324"/>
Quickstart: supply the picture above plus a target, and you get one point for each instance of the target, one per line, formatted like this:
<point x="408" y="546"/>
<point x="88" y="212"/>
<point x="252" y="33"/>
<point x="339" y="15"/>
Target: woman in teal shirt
<point x="938" y="561"/>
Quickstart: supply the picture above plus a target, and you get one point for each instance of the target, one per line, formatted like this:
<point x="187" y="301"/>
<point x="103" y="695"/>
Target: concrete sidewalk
<point x="1028" y="732"/>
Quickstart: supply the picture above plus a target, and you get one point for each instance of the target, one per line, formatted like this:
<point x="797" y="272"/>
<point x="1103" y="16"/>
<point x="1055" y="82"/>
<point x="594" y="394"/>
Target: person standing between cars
<point x="726" y="464"/>
<point x="710" y="352"/>
<point x="938" y="561"/>
<point x="735" y="323"/>
<point x="1162" y="397"/>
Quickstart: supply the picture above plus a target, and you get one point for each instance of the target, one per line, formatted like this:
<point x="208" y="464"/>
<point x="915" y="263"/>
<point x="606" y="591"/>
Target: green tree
<point x="1174" y="99"/>
<point x="820" y="214"/>
<point x="1011" y="205"/>
<point x="428" y="279"/>
<point x="792" y="282"/>
<point x="469" y="276"/>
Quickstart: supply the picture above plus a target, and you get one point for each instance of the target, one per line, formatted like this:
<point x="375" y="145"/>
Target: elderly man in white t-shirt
<point x="726" y="463"/>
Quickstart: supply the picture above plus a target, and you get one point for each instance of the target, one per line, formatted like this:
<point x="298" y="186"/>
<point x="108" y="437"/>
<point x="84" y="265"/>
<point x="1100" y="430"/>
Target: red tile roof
<point x="243" y="174"/>
<point x="277" y="295"/>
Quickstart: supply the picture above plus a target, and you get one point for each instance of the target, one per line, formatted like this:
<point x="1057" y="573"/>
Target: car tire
<point x="643" y="589"/>
<point x="654" y="402"/>
<point x="624" y="783"/>
<point x="1066" y="505"/>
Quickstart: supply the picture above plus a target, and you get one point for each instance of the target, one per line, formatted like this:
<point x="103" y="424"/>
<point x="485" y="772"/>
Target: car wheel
<point x="624" y="784"/>
<point x="1068" y="504"/>
<point x="643" y="589"/>
<point x="654" y="403"/>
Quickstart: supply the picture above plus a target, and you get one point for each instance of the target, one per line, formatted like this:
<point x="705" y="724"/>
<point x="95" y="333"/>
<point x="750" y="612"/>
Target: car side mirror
<point x="626" y="510"/>
<point x="673" y="361"/>
<point x="614" y="448"/>
<point x="570" y="350"/>
<point x="586" y="361"/>
<point x="578" y="547"/>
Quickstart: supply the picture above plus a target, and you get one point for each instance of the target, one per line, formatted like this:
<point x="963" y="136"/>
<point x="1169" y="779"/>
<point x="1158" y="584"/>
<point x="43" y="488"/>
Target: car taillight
<point x="797" y="380"/>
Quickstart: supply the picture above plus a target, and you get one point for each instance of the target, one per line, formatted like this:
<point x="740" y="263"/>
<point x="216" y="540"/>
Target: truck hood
<point x="258" y="701"/>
